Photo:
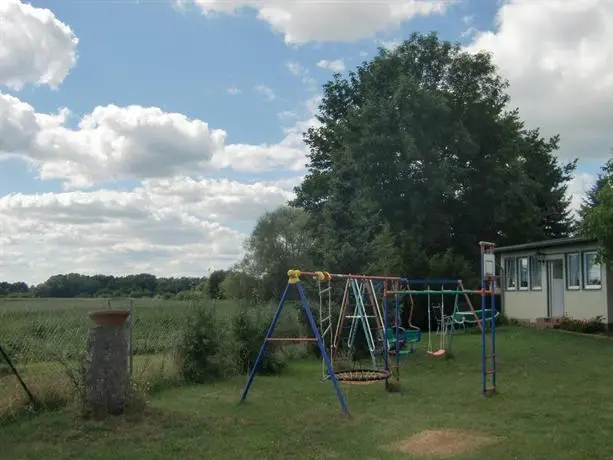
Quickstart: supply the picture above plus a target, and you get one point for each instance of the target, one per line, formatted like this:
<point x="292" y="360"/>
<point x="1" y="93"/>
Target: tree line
<point x="418" y="155"/>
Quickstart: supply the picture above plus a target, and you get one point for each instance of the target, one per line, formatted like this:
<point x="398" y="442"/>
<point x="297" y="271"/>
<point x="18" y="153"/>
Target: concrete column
<point x="107" y="379"/>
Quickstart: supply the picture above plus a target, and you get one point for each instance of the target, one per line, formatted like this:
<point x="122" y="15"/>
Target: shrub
<point x="204" y="354"/>
<point x="592" y="326"/>
<point x="249" y="326"/>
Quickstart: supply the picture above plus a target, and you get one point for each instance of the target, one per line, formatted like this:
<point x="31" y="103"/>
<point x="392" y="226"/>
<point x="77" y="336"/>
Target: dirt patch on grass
<point x="442" y="443"/>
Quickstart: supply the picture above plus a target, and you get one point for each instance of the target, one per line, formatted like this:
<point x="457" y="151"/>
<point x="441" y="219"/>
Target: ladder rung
<point x="325" y="318"/>
<point x="490" y="372"/>
<point x="359" y="316"/>
<point x="292" y="339"/>
<point x="490" y="389"/>
<point x="326" y="330"/>
<point x="323" y="291"/>
<point x="490" y="356"/>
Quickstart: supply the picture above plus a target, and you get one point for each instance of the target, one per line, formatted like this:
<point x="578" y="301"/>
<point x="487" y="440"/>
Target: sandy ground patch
<point x="442" y="443"/>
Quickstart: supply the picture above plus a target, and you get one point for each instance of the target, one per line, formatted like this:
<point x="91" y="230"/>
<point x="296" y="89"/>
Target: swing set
<point x="362" y="308"/>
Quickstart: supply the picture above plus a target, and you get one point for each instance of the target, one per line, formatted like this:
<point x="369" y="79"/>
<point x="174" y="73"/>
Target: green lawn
<point x="554" y="403"/>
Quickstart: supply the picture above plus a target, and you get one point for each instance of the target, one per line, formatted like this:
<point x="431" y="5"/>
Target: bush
<point x="204" y="354"/>
<point x="249" y="326"/>
<point x="592" y="326"/>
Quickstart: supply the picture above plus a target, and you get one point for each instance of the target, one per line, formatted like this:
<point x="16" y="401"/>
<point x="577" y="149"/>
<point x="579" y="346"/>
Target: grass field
<point x="554" y="402"/>
<point x="32" y="329"/>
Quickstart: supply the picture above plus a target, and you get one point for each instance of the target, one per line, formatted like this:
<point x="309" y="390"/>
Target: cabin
<point x="546" y="280"/>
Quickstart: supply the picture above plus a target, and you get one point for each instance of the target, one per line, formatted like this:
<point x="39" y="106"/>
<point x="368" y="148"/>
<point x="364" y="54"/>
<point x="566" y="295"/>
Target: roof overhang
<point x="545" y="244"/>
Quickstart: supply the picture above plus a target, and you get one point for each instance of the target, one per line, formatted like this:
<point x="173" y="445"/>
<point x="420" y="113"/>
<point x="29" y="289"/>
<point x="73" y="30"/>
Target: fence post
<point x="130" y="326"/>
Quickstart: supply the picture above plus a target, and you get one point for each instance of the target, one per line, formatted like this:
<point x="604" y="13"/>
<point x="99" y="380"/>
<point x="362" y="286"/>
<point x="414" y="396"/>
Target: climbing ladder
<point x="361" y="308"/>
<point x="488" y="341"/>
<point x="324" y="289"/>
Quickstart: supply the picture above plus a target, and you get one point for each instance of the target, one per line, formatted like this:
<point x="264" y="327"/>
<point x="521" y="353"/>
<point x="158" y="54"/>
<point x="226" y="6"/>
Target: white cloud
<point x="301" y="72"/>
<point x="233" y="91"/>
<point x="115" y="143"/>
<point x="35" y="47"/>
<point x="558" y="57"/>
<point x="265" y="91"/>
<point x="172" y="226"/>
<point x="328" y="20"/>
<point x="111" y="143"/>
<point x="578" y="187"/>
<point x="337" y="65"/>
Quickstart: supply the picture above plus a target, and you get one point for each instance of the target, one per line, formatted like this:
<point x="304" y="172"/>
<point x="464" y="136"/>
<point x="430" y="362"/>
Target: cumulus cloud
<point x="116" y="143"/>
<point x="558" y="57"/>
<point x="337" y="65"/>
<point x="35" y="46"/>
<point x="179" y="226"/>
<point x="265" y="91"/>
<point x="110" y="143"/>
<point x="327" y="20"/>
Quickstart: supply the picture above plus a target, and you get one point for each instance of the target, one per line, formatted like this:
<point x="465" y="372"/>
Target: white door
<point x="555" y="288"/>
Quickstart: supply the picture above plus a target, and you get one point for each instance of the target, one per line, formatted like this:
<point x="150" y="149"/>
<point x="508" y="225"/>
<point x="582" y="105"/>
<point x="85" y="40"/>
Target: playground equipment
<point x="360" y="306"/>
<point x="363" y="291"/>
<point x="401" y="341"/>
<point x="488" y="347"/>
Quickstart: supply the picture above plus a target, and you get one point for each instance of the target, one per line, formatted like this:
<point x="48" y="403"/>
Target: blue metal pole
<point x="385" y="343"/>
<point x="271" y="328"/>
<point x="398" y="336"/>
<point x="493" y="313"/>
<point x="483" y="326"/>
<point x="322" y="348"/>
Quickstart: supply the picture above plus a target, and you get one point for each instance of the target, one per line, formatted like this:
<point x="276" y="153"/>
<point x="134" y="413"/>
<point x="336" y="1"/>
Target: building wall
<point x="528" y="305"/>
<point x="524" y="305"/>
<point x="609" y="293"/>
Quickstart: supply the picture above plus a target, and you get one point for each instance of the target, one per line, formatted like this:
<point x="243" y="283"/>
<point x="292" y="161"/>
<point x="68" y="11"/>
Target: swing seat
<point x="439" y="352"/>
<point x="404" y="336"/>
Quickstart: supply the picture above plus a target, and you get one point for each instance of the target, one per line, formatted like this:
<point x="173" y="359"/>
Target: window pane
<point x="573" y="270"/>
<point x="591" y="270"/>
<point x="509" y="271"/>
<point x="522" y="269"/>
<point x="535" y="273"/>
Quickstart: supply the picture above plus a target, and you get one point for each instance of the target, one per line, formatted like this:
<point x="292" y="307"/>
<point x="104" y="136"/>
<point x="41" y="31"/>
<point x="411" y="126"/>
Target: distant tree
<point x="214" y="284"/>
<point x="240" y="285"/>
<point x="598" y="218"/>
<point x="280" y="241"/>
<point x="78" y="285"/>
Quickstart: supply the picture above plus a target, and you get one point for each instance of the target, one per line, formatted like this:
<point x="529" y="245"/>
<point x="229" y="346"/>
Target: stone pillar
<point x="107" y="379"/>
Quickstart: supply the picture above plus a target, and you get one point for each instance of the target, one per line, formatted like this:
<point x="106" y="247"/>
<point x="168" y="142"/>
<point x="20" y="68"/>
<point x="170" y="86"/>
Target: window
<point x="573" y="271"/>
<point x="536" y="273"/>
<point x="510" y="274"/>
<point x="592" y="276"/>
<point x="522" y="271"/>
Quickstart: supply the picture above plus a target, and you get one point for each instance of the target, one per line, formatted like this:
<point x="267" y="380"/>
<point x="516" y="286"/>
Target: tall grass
<point x="173" y="342"/>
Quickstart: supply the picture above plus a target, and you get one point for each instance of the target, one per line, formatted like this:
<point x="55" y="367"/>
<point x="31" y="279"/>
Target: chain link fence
<point x="43" y="343"/>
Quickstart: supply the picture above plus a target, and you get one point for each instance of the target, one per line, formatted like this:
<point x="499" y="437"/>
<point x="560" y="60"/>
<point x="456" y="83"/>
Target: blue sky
<point x="152" y="54"/>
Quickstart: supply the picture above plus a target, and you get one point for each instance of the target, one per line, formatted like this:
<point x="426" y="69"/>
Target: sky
<point x="149" y="136"/>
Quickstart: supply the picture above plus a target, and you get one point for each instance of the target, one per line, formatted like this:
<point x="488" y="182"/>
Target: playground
<point x="553" y="402"/>
<point x="464" y="387"/>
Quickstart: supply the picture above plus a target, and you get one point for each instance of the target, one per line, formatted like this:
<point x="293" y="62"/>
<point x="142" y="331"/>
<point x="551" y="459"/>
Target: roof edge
<point x="546" y="244"/>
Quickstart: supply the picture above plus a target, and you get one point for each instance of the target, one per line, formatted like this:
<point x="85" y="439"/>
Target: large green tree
<point x="591" y="197"/>
<point x="598" y="218"/>
<point x="418" y="148"/>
